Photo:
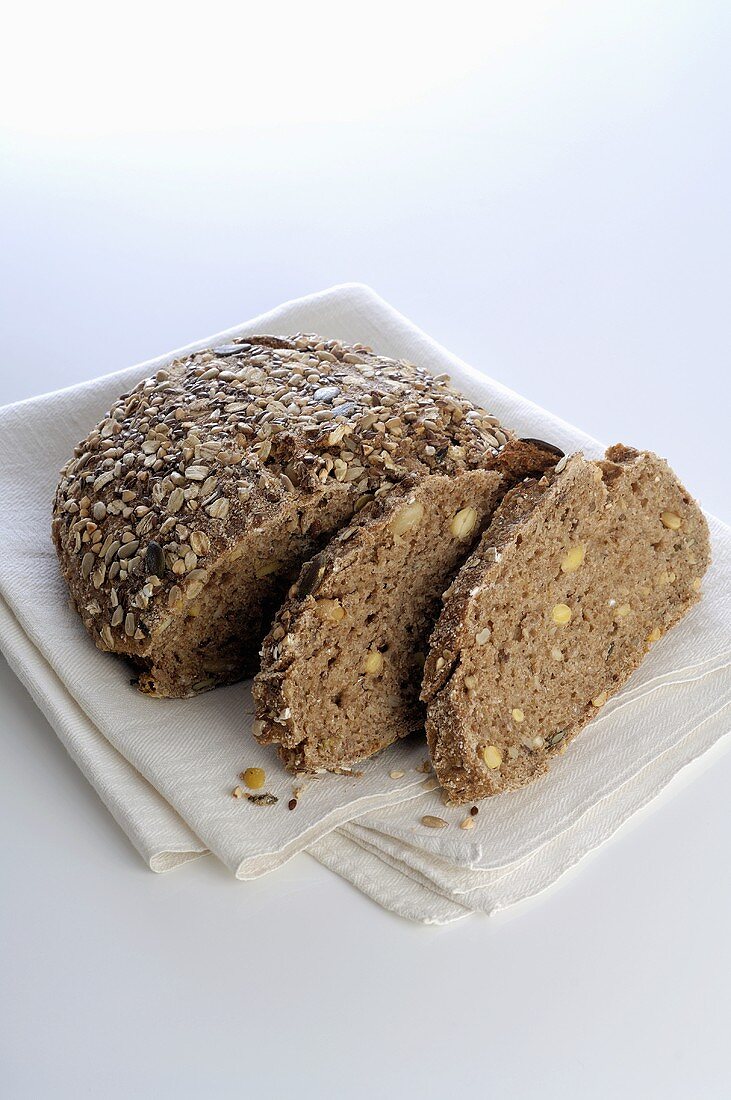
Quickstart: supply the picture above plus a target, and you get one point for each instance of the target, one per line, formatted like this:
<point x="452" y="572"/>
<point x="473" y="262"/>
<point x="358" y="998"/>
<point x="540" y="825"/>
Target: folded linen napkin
<point x="166" y="768"/>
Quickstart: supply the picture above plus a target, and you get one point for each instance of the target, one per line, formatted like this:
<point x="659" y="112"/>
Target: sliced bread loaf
<point x="342" y="665"/>
<point x="576" y="577"/>
<point x="182" y="519"/>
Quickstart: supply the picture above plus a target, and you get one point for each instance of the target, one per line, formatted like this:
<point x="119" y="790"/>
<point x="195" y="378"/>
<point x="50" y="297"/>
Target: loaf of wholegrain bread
<point x="578" y="574"/>
<point x="342" y="665"/>
<point x="183" y="518"/>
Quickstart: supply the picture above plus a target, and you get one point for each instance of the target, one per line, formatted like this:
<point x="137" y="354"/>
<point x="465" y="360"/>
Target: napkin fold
<point x="492" y="890"/>
<point x="160" y="836"/>
<point x="165" y="769"/>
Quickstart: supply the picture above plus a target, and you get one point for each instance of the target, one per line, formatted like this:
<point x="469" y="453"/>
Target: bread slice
<point x="185" y="515"/>
<point x="576" y="577"/>
<point x="342" y="666"/>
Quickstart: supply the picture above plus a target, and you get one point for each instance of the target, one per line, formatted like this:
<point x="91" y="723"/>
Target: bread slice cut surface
<point x="342" y="666"/>
<point x="577" y="576"/>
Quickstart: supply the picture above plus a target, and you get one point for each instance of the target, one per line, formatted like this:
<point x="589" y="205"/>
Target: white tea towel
<point x="187" y="753"/>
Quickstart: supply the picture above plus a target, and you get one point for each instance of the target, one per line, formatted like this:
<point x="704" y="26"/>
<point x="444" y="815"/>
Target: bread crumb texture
<point x="337" y="688"/>
<point x="576" y="577"/>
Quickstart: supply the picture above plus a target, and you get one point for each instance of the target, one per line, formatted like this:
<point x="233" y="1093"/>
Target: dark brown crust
<point x="454" y="635"/>
<point x="520" y="457"/>
<point x="541" y="445"/>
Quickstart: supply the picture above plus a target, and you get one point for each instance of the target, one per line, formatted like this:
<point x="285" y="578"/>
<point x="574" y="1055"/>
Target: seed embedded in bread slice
<point x="342" y="665"/>
<point x="576" y="577"/>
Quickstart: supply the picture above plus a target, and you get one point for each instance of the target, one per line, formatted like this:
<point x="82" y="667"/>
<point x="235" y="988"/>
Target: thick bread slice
<point x="185" y="515"/>
<point x="575" y="578"/>
<point x="342" y="666"/>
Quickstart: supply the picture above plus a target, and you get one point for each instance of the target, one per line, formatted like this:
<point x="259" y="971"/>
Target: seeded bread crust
<point x="578" y="574"/>
<point x="186" y="513"/>
<point x="342" y="665"/>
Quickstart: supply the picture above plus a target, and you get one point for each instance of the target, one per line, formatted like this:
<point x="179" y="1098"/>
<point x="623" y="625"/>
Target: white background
<point x="543" y="187"/>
